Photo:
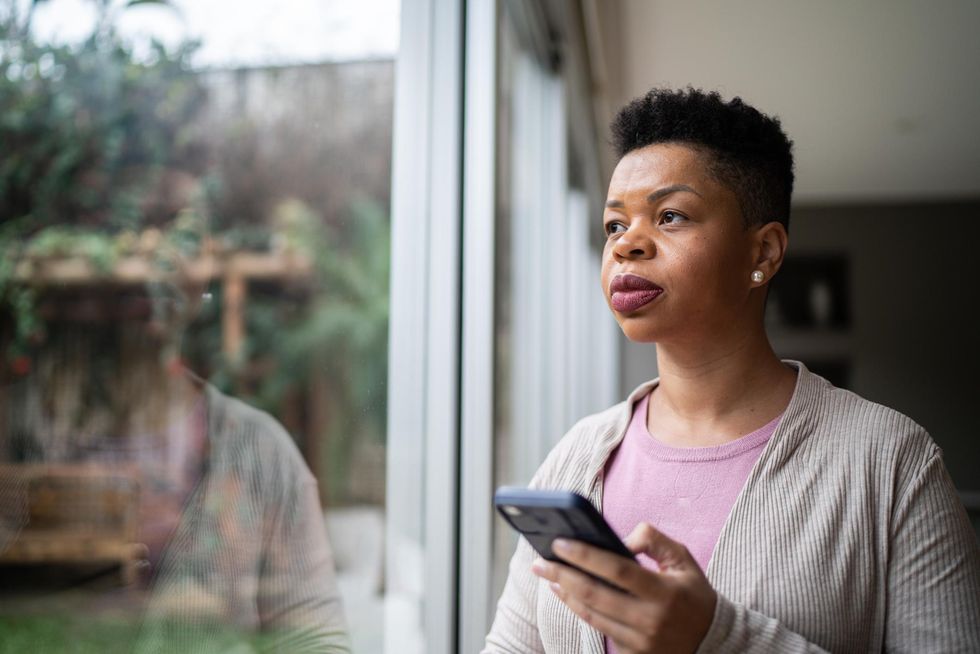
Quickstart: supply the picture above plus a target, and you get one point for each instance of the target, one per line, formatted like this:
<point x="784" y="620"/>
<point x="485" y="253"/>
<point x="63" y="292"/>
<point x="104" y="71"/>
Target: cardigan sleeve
<point x="933" y="597"/>
<point x="515" y="625"/>
<point x="736" y="628"/>
<point x="932" y="589"/>
<point x="298" y="600"/>
<point x="515" y="628"/>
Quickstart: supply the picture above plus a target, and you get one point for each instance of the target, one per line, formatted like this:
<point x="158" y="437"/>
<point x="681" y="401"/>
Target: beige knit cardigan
<point x="848" y="536"/>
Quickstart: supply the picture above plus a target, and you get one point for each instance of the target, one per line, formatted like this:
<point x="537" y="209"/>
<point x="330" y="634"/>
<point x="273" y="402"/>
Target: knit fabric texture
<point x="248" y="566"/>
<point x="848" y="536"/>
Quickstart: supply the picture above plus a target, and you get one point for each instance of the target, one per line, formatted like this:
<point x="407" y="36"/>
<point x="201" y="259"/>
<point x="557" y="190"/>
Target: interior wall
<point x="880" y="96"/>
<point x="913" y="341"/>
<point x="914" y="271"/>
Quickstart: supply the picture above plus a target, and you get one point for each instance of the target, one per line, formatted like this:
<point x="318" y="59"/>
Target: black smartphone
<point x="541" y="516"/>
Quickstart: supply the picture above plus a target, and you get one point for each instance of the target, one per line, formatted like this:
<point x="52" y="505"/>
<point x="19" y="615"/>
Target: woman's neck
<point x="710" y="396"/>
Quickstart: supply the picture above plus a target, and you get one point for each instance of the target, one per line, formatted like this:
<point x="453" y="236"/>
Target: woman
<point x="227" y="513"/>
<point x="769" y="510"/>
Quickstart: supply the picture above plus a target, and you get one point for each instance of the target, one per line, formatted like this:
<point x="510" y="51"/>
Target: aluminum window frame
<point x="440" y="453"/>
<point x="424" y="336"/>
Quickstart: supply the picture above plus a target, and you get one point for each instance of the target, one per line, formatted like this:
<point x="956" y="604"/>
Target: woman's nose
<point x="634" y="245"/>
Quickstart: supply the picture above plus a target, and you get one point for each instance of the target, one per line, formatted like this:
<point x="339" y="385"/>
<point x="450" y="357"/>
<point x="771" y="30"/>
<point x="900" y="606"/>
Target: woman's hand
<point x="666" y="611"/>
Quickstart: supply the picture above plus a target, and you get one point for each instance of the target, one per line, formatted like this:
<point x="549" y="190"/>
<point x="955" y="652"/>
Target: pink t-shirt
<point x="685" y="492"/>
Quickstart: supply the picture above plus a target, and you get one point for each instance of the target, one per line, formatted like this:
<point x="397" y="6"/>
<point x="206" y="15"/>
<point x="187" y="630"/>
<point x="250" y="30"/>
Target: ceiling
<point x="882" y="97"/>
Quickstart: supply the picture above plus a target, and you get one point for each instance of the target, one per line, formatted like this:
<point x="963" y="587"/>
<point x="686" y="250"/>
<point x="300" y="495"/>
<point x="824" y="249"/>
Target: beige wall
<point x="881" y="96"/>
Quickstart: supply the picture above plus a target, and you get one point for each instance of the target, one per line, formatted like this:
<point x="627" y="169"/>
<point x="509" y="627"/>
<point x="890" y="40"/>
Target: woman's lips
<point x="630" y="292"/>
<point x="626" y="301"/>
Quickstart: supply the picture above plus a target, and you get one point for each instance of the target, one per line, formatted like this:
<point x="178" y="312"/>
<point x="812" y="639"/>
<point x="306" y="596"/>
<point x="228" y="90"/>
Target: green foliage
<point x="80" y="633"/>
<point x="348" y="324"/>
<point x="340" y="333"/>
<point x="63" y="634"/>
<point x="100" y="149"/>
<point x="90" y="134"/>
<point x="91" y="137"/>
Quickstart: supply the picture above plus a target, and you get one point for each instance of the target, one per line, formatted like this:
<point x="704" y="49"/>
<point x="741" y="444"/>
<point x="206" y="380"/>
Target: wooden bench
<point x="78" y="517"/>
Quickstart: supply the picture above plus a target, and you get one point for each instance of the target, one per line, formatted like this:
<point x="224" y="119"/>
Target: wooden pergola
<point x="236" y="270"/>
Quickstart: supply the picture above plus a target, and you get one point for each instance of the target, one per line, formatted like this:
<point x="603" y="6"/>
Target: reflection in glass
<point x="193" y="328"/>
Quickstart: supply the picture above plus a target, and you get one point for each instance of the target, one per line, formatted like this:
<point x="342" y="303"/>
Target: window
<point x="194" y="316"/>
<point x="270" y="320"/>
<point x="556" y="356"/>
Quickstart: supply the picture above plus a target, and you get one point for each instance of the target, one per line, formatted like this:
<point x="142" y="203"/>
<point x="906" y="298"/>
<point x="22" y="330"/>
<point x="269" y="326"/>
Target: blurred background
<point x="226" y="164"/>
<point x="342" y="214"/>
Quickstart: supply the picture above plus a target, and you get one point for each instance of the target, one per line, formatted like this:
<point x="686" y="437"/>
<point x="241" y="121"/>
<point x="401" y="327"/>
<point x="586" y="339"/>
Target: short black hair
<point x="749" y="151"/>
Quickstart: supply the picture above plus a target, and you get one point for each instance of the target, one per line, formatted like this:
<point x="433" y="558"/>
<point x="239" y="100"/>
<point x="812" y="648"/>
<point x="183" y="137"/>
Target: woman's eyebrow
<point x="656" y="195"/>
<point x="667" y="190"/>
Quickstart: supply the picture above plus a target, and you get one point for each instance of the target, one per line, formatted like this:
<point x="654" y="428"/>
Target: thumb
<point x="667" y="552"/>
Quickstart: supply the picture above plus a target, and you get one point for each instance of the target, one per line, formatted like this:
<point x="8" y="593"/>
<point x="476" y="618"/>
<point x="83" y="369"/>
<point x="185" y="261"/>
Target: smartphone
<point x="541" y="516"/>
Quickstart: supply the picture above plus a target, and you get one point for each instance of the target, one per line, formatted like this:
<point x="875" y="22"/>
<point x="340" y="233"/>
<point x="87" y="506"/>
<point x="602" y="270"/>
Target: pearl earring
<point x="757" y="276"/>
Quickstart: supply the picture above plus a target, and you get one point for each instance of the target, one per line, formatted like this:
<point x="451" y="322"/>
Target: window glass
<point x="555" y="340"/>
<point x="194" y="258"/>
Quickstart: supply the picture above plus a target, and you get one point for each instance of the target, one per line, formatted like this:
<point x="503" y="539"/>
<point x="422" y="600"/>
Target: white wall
<point x="880" y="96"/>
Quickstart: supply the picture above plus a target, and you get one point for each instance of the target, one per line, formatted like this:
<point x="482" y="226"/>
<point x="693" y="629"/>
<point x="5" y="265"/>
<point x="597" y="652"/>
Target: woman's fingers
<point x="669" y="610"/>
<point x="622" y="634"/>
<point x="590" y="595"/>
<point x="667" y="552"/>
<point x="618" y="570"/>
<point x="660" y="611"/>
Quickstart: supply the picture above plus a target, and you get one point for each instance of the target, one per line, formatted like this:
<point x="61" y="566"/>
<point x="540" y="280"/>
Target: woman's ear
<point x="771" y="240"/>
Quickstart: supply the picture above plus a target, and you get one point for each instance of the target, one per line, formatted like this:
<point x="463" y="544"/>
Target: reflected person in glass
<point x="141" y="509"/>
<point x="769" y="511"/>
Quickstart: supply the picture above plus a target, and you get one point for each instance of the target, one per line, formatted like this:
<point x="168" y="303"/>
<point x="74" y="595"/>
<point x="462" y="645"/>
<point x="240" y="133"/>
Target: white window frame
<point x="423" y="434"/>
<point x="439" y="591"/>
<point x="477" y="372"/>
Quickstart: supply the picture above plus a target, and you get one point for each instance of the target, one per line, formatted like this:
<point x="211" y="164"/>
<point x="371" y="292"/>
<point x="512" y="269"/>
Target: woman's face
<point x="677" y="261"/>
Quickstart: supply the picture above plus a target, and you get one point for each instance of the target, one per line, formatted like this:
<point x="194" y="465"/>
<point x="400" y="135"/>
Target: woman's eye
<point x="614" y="228"/>
<point x="671" y="217"/>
